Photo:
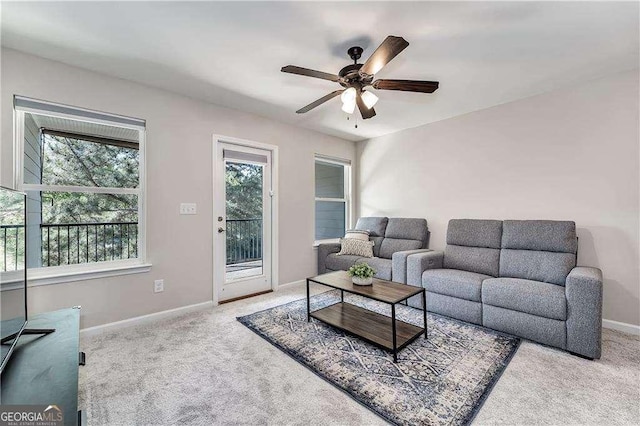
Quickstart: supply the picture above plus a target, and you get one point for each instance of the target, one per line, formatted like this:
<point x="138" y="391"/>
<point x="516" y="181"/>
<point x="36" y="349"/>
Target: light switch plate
<point x="188" y="208"/>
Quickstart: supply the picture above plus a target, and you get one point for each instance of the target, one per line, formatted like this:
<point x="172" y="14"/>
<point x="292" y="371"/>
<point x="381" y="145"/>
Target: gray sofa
<point x="518" y="277"/>
<point x="394" y="240"/>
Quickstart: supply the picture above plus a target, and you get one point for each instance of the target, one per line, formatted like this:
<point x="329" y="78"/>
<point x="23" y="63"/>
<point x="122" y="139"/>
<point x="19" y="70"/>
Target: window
<point x="333" y="197"/>
<point x="82" y="172"/>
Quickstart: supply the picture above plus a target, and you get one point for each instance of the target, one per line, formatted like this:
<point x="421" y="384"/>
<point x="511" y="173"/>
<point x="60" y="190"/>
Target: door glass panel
<point x="244" y="184"/>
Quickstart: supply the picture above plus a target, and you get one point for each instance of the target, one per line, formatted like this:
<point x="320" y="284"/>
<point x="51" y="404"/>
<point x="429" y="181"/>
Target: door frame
<point x="218" y="277"/>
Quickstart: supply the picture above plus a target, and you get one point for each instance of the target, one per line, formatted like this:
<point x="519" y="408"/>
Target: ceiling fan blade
<point x="292" y="69"/>
<point x="364" y="111"/>
<point x="407" y="85"/>
<point x="389" y="49"/>
<point x="320" y="101"/>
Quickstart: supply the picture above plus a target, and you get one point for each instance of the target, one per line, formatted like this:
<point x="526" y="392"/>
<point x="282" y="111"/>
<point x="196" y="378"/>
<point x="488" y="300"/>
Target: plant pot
<point x="362" y="280"/>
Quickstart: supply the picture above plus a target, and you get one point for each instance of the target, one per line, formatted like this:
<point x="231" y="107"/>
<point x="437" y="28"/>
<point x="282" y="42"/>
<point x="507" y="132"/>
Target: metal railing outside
<point x="73" y="243"/>
<point x="244" y="240"/>
<point x="12" y="244"/>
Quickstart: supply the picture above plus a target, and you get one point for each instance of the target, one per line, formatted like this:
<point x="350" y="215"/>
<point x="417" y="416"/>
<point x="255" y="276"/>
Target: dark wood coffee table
<point x="383" y="331"/>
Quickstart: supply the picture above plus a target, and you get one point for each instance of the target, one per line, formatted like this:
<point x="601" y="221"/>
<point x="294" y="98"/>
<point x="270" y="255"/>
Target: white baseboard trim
<point x="621" y="326"/>
<point x="291" y="283"/>
<point x="143" y="319"/>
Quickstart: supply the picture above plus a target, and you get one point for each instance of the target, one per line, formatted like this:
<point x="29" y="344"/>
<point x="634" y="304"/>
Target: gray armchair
<point x="395" y="239"/>
<point x="519" y="277"/>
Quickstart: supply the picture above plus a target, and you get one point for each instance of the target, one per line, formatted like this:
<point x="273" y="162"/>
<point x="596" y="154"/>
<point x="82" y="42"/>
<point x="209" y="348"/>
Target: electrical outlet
<point x="158" y="286"/>
<point x="188" y="208"/>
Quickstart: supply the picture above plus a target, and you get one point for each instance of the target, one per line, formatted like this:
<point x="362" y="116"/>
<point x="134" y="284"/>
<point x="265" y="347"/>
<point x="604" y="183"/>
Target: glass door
<point x="243" y="222"/>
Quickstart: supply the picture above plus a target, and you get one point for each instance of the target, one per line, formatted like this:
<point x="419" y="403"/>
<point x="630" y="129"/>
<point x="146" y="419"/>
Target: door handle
<point x="221" y="230"/>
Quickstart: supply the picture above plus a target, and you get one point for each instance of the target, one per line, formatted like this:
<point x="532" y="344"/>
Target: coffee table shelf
<point x="368" y="325"/>
<point x="386" y="332"/>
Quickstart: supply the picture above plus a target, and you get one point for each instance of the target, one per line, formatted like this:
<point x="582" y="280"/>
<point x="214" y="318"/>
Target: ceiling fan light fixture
<point x="349" y="96"/>
<point x="369" y="99"/>
<point x="349" y="107"/>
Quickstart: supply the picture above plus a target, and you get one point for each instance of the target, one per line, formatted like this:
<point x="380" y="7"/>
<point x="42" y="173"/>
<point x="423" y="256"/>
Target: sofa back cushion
<point x="377" y="243"/>
<point x="404" y="234"/>
<point x="376" y="226"/>
<point x="474" y="245"/>
<point x="538" y="250"/>
<point x="392" y="245"/>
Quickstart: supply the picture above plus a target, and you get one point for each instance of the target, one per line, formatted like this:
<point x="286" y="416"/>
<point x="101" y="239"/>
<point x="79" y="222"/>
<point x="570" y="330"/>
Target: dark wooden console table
<point x="43" y="369"/>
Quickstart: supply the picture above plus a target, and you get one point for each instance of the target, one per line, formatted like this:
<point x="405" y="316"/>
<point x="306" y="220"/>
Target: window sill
<point x="67" y="274"/>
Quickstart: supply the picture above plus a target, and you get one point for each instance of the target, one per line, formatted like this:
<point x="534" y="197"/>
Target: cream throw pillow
<point x="357" y="234"/>
<point x="352" y="246"/>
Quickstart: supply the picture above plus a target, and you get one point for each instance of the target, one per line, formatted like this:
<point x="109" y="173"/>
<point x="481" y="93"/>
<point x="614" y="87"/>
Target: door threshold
<point x="245" y="297"/>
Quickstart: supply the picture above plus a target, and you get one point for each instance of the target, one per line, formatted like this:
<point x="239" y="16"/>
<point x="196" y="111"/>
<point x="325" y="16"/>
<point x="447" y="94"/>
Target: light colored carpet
<point x="206" y="368"/>
<point x="440" y="380"/>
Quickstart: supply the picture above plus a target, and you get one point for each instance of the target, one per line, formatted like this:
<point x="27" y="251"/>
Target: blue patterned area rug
<point x="440" y="381"/>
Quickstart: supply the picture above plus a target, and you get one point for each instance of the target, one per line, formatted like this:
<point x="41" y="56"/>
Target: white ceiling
<point x="483" y="53"/>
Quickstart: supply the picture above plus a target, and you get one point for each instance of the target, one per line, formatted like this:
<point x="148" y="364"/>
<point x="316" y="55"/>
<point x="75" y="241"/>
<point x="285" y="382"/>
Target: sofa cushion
<point x="392" y="245"/>
<point x="475" y="233"/>
<point x="377" y="243"/>
<point x="408" y="229"/>
<point x="381" y="266"/>
<point x="452" y="282"/>
<point x="542" y="235"/>
<point x="546" y="266"/>
<point x="375" y="225"/>
<point x="531" y="297"/>
<point x="335" y="262"/>
<point x="473" y="259"/>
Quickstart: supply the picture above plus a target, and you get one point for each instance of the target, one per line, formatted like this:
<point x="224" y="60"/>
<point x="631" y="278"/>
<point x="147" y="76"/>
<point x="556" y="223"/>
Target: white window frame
<point x="348" y="189"/>
<point x="84" y="271"/>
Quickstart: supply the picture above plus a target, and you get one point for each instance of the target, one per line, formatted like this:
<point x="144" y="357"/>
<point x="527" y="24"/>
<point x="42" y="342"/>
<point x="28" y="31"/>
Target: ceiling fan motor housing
<point x="349" y="76"/>
<point x="355" y="53"/>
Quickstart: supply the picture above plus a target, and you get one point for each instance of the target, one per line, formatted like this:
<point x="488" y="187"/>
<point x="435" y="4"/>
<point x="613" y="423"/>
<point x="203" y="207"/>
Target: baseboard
<point x="143" y="319"/>
<point x="291" y="283"/>
<point x="621" y="326"/>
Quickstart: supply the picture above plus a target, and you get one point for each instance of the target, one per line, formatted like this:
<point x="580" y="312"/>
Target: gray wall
<point x="570" y="154"/>
<point x="179" y="169"/>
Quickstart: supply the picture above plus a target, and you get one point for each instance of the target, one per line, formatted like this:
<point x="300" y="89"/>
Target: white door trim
<point x="274" y="206"/>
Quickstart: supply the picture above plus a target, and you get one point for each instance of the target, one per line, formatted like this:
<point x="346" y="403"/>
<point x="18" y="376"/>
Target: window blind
<point x="244" y="156"/>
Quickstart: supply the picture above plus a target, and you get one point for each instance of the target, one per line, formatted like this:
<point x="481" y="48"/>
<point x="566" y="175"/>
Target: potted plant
<point x="361" y="274"/>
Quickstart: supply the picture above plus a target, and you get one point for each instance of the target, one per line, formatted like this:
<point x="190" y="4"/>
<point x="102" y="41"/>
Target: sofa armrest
<point x="418" y="263"/>
<point x="583" y="289"/>
<point x="325" y="250"/>
<point x="399" y="264"/>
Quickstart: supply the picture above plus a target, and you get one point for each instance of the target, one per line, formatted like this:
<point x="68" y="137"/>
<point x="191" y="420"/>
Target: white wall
<point x="567" y="155"/>
<point x="179" y="169"/>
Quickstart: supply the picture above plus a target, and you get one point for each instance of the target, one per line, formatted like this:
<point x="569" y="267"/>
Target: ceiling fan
<point x="356" y="77"/>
